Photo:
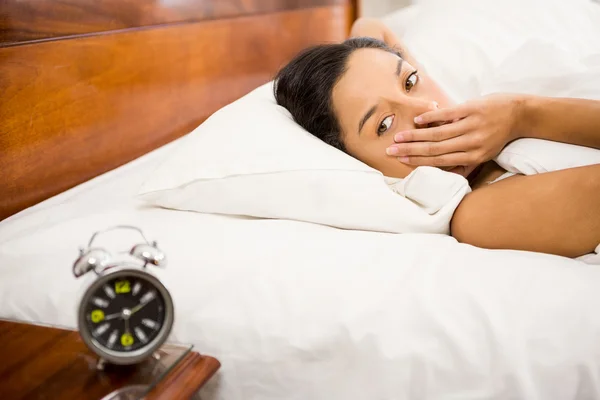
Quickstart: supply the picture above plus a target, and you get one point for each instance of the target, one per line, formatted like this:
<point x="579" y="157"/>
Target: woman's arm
<point x="556" y="212"/>
<point x="575" y="121"/>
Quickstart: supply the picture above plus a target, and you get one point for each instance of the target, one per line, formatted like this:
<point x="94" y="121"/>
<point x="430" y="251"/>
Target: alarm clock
<point x="126" y="313"/>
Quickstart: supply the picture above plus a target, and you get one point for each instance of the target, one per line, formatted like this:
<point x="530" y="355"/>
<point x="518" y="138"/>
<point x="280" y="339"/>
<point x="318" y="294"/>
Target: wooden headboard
<point x="89" y="85"/>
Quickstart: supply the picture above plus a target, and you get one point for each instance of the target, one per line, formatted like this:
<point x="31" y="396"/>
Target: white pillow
<point x="462" y="42"/>
<point x="251" y="158"/>
<point x="535" y="156"/>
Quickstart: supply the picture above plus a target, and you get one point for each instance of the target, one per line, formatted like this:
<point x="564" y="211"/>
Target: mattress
<point x="302" y="311"/>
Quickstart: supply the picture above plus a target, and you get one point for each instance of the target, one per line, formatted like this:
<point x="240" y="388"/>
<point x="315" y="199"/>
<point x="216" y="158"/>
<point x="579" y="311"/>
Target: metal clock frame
<point x="119" y="357"/>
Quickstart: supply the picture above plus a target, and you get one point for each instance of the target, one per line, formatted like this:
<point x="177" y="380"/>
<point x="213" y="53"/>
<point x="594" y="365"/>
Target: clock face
<point x="125" y="313"/>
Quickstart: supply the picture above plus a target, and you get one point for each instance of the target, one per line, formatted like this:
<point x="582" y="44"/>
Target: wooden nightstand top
<point x="52" y="363"/>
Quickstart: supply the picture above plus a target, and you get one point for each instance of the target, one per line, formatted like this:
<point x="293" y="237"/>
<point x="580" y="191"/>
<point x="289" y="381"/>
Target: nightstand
<point x="43" y="362"/>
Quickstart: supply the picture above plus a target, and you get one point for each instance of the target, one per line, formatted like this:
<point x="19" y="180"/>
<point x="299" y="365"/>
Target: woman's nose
<point x="422" y="106"/>
<point x="416" y="108"/>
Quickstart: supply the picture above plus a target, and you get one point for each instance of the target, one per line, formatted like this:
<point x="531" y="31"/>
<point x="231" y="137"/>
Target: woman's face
<point x="380" y="95"/>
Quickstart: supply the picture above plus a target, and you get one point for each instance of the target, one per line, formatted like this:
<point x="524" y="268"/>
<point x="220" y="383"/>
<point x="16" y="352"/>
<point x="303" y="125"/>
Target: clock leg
<point x="101" y="364"/>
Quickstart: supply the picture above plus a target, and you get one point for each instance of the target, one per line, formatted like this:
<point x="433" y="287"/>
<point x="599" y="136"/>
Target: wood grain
<point x="191" y="374"/>
<point x="73" y="109"/>
<point x="27" y="20"/>
<point x="63" y="368"/>
<point x="22" y="340"/>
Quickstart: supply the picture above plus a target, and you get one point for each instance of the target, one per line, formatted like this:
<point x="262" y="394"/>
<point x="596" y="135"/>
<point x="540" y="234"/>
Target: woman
<point x="367" y="98"/>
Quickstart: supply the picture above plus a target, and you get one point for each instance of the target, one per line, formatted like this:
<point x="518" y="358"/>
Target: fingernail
<point x="391" y="151"/>
<point x="418" y="120"/>
<point x="403" y="159"/>
<point x="399" y="137"/>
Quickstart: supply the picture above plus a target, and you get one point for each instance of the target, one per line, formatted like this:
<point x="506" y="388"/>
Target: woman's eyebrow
<point x="366" y="117"/>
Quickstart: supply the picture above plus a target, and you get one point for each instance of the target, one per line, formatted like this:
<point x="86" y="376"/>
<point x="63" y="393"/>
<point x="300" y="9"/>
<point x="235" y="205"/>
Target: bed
<point x="293" y="310"/>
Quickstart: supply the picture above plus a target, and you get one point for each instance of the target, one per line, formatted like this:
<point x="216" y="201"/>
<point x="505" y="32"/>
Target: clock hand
<point x="137" y="308"/>
<point x="147" y="298"/>
<point x="113" y="316"/>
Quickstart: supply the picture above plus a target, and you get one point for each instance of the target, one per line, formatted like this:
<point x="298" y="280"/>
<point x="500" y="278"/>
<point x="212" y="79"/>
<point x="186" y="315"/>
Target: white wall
<point x="378" y="8"/>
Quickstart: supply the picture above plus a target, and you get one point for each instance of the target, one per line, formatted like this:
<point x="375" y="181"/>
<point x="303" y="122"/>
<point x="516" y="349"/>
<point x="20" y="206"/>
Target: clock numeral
<point x="112" y="339"/>
<point x="97" y="316"/>
<point x="136" y="288"/>
<point x="100" y="302"/>
<point x="109" y="292"/>
<point x="122" y="287"/>
<point x="147" y="297"/>
<point x="126" y="339"/>
<point x="101" y="329"/>
<point x="149" y="323"/>
<point x="140" y="334"/>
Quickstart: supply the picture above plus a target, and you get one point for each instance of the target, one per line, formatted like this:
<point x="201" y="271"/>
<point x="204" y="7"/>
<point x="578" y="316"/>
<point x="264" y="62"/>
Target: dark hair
<point x="305" y="85"/>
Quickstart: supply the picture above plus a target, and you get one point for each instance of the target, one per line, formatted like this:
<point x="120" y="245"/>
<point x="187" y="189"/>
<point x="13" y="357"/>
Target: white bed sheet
<point x="301" y="311"/>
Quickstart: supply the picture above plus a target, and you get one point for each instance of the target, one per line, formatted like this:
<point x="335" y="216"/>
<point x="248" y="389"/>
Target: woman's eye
<point x="411" y="81"/>
<point x="385" y="125"/>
